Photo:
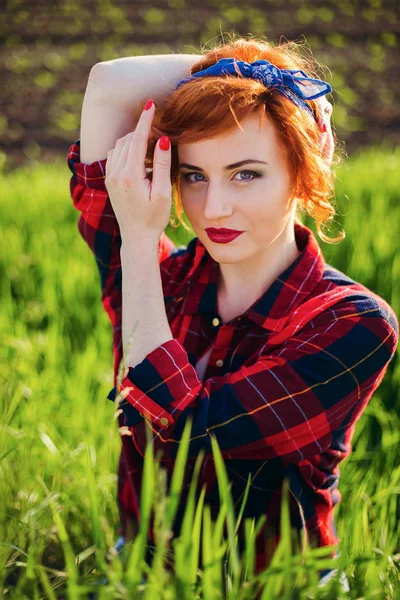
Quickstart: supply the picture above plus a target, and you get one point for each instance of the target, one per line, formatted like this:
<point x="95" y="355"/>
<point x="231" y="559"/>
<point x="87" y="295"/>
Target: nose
<point x="217" y="205"/>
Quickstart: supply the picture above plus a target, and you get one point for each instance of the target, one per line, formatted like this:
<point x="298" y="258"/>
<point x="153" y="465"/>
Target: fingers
<point x="131" y="149"/>
<point x="325" y="113"/>
<point x="127" y="160"/>
<point x="328" y="149"/>
<point x="139" y="141"/>
<point x="121" y="151"/>
<point x="326" y="142"/>
<point x="114" y="155"/>
<point x="161" y="184"/>
<point x="327" y="146"/>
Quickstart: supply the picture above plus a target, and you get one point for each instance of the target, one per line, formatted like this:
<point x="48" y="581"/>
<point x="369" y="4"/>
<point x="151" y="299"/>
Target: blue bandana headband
<point x="294" y="84"/>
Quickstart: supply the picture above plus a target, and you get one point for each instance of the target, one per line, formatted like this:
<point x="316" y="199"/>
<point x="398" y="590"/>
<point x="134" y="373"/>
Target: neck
<point x="241" y="284"/>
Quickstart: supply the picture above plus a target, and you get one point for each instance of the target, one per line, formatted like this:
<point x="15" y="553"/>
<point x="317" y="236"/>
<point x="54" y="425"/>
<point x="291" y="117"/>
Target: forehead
<point x="256" y="139"/>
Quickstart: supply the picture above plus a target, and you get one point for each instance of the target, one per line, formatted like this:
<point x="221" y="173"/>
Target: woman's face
<point x="253" y="197"/>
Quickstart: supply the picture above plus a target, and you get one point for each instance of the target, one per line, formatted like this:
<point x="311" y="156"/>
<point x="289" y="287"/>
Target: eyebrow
<point x="228" y="167"/>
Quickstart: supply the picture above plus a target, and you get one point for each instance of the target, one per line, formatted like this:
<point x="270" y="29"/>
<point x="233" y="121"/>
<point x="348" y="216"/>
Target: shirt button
<point x="215" y="321"/>
<point x="164" y="421"/>
<point x="219" y="362"/>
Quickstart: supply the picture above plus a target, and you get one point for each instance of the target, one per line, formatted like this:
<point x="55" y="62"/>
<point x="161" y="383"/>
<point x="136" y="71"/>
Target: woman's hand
<point x="327" y="144"/>
<point x="142" y="207"/>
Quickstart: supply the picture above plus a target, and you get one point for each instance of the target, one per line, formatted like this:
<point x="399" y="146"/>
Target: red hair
<point x="210" y="106"/>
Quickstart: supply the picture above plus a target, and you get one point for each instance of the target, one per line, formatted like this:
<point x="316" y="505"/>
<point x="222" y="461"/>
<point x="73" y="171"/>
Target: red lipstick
<point x="222" y="235"/>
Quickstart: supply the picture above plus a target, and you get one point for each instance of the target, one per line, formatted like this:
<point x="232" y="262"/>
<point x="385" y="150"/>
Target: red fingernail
<point x="323" y="128"/>
<point x="149" y="104"/>
<point x="164" y="142"/>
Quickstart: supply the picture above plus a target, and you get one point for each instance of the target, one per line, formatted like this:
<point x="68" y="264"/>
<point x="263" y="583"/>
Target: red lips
<point x="222" y="230"/>
<point x="222" y="235"/>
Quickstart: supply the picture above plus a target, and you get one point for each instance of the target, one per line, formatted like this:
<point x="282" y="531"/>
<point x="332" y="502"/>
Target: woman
<point x="250" y="332"/>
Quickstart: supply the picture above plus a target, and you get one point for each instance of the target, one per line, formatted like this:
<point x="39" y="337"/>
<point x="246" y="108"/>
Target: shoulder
<point x="354" y="309"/>
<point x="343" y="336"/>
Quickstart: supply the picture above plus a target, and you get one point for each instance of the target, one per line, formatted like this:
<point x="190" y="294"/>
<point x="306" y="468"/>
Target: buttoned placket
<point x="217" y="323"/>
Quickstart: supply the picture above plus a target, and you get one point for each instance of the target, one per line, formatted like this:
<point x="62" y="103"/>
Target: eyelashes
<point x="254" y="175"/>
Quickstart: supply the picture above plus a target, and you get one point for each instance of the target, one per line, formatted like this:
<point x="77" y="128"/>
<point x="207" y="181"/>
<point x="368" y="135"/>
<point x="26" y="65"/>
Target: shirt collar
<point x="272" y="310"/>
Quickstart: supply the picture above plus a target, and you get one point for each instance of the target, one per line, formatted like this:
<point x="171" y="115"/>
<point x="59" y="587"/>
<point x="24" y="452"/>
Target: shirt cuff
<point x="160" y="387"/>
<point x="91" y="175"/>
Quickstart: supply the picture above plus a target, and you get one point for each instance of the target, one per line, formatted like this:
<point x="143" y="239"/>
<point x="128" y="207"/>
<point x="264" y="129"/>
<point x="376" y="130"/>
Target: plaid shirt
<point x="285" y="384"/>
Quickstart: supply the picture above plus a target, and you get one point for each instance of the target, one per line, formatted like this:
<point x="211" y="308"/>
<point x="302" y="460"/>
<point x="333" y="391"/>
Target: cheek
<point x="184" y="199"/>
<point x="269" y="206"/>
<point x="191" y="201"/>
<point x="280" y="186"/>
<point x="187" y="204"/>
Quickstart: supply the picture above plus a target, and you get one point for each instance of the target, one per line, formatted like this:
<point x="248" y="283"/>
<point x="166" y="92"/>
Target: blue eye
<point x="187" y="175"/>
<point x="253" y="174"/>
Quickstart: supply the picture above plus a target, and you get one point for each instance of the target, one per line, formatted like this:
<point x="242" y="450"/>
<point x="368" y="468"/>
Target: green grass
<point x="59" y="443"/>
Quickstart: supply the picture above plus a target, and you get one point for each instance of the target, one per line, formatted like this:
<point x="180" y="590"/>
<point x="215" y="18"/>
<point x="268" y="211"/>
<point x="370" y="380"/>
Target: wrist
<point x="134" y="239"/>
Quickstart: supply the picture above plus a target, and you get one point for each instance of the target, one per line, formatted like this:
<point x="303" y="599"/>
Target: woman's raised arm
<point x="115" y="92"/>
<point x="111" y="106"/>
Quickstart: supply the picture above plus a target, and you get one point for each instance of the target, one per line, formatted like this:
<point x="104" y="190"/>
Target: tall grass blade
<point x="72" y="581"/>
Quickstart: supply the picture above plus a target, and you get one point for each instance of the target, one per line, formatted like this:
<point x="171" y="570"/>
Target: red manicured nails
<point x="149" y="104"/>
<point x="164" y="142"/>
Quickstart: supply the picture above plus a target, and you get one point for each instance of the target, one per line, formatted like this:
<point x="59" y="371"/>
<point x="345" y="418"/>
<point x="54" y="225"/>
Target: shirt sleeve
<point x="99" y="228"/>
<point x="311" y="383"/>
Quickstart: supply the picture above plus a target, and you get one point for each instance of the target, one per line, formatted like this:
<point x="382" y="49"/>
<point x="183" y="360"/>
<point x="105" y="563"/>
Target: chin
<point x="224" y="253"/>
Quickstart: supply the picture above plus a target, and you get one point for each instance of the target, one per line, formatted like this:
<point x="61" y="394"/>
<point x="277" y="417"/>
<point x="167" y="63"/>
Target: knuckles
<point x="164" y="164"/>
<point x="126" y="180"/>
<point x="117" y="179"/>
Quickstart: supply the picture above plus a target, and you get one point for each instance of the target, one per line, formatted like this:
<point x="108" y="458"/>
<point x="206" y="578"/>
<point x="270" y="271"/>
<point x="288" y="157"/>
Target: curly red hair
<point x="210" y="106"/>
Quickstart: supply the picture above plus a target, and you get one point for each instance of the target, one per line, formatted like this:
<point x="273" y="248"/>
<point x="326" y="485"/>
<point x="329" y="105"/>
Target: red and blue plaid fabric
<point x="285" y="384"/>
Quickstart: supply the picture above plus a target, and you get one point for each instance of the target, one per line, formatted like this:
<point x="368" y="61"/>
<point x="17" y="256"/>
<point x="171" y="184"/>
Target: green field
<point x="60" y="443"/>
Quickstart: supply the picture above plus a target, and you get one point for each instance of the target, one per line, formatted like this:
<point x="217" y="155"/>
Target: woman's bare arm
<point x="115" y="91"/>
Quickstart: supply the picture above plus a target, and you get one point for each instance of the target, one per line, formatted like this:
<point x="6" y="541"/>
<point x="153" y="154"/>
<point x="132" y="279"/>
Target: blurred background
<point x="48" y="49"/>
